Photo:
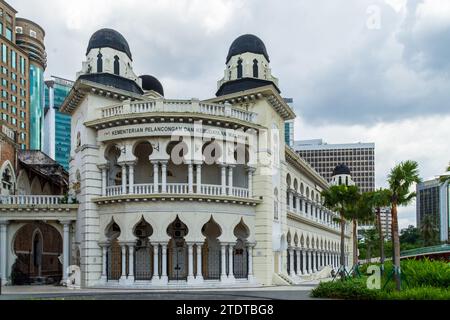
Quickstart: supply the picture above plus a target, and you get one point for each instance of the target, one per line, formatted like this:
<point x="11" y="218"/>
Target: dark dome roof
<point x="150" y="83"/>
<point x="112" y="80"/>
<point x="247" y="43"/>
<point x="341" y="169"/>
<point x="109" y="38"/>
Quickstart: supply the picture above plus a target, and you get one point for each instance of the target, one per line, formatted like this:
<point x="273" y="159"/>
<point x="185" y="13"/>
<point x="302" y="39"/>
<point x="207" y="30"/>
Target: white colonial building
<point x="191" y="193"/>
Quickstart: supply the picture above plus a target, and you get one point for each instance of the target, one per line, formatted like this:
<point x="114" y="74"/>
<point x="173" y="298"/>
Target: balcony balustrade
<point x="178" y="106"/>
<point x="177" y="189"/>
<point x="29" y="200"/>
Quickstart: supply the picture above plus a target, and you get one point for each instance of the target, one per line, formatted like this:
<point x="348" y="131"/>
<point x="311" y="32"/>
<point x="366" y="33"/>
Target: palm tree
<point x="380" y="199"/>
<point x="370" y="239"/>
<point x="340" y="199"/>
<point x="401" y="179"/>
<point x="428" y="230"/>
<point x="359" y="210"/>
<point x="446" y="177"/>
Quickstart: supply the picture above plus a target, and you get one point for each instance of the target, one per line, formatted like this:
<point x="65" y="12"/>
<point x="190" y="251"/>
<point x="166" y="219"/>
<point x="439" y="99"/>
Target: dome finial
<point x="109" y="38"/>
<point x="247" y="43"/>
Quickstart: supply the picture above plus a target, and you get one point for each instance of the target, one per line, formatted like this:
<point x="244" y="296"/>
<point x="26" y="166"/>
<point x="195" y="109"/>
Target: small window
<point x="255" y="69"/>
<point x="33" y="34"/>
<point x="239" y="69"/>
<point x="19" y="30"/>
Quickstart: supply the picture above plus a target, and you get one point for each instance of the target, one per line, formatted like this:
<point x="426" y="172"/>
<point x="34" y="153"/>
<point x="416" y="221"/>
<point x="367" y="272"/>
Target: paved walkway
<point x="298" y="292"/>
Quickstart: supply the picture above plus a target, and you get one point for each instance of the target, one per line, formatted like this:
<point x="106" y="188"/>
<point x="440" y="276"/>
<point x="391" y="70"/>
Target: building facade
<point x="186" y="193"/>
<point x="15" y="84"/>
<point x="433" y="200"/>
<point x="30" y="37"/>
<point x="323" y="157"/>
<point x="57" y="138"/>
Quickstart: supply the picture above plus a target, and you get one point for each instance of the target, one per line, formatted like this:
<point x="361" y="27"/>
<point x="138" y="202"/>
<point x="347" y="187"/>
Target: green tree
<point x="410" y="235"/>
<point x="380" y="199"/>
<point x="371" y="238"/>
<point x="429" y="231"/>
<point x="401" y="178"/>
<point x="340" y="199"/>
<point x="359" y="210"/>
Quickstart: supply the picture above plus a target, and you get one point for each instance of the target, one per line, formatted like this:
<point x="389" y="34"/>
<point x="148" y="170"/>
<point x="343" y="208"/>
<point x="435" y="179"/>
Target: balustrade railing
<point x="31" y="200"/>
<point x="175" y="189"/>
<point x="183" y="106"/>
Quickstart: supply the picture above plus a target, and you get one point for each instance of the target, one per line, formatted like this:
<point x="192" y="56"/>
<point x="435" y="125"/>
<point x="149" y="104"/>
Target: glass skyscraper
<point x="57" y="138"/>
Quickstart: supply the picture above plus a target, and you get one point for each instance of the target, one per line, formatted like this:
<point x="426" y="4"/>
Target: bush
<point x="351" y="289"/>
<point x="426" y="273"/>
<point x="420" y="293"/>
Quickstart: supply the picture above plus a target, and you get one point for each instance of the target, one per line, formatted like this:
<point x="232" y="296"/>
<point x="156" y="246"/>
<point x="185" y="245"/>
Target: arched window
<point x="99" y="62"/>
<point x="346" y="181"/>
<point x="239" y="69"/>
<point x="340" y="180"/>
<point x="116" y="65"/>
<point x="255" y="69"/>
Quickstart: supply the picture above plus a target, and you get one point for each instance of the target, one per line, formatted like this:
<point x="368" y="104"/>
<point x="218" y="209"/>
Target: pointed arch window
<point x="99" y="62"/>
<point x="239" y="69"/>
<point x="116" y="65"/>
<point x="255" y="69"/>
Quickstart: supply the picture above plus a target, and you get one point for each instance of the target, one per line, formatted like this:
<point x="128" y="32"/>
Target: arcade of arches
<point x="177" y="260"/>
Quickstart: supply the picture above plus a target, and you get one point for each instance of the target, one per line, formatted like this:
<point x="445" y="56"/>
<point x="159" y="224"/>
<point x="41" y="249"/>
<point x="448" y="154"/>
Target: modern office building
<point x="324" y="157"/>
<point x="386" y="222"/>
<point x="175" y="193"/>
<point x="57" y="138"/>
<point x="15" y="84"/>
<point x="289" y="126"/>
<point x="30" y="37"/>
<point x="433" y="199"/>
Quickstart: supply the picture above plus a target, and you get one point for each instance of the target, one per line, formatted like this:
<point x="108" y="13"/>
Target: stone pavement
<point x="298" y="292"/>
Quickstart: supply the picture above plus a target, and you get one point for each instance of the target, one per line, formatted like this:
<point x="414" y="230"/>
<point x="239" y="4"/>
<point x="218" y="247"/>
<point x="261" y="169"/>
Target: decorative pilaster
<point x="223" y="275"/>
<point x="3" y="250"/>
<point x="104" y="246"/>
<point x="131" y="178"/>
<point x="164" y="176"/>
<point x="224" y="179"/>
<point x="190" y="277"/>
<point x="230" y="180"/>
<point x="66" y="248"/>
<point x="231" y="277"/>
<point x="123" y="278"/>
<point x="164" y="277"/>
<point x="199" y="178"/>
<point x="156" y="176"/>
<point x="190" y="178"/>
<point x="199" y="276"/>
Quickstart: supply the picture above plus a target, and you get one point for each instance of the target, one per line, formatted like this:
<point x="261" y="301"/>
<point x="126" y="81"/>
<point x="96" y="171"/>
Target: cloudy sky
<point x="358" y="70"/>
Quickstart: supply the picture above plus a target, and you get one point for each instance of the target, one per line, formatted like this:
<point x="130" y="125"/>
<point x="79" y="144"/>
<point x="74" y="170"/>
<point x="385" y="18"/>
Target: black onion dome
<point x="341" y="169"/>
<point x="109" y="38"/>
<point x="247" y="43"/>
<point x="150" y="83"/>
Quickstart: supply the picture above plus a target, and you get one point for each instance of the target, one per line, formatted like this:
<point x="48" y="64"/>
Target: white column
<point x="156" y="176"/>
<point x="199" y="178"/>
<point x="291" y="200"/>
<point x="223" y="275"/>
<point x="131" y="263"/>
<point x="298" y="204"/>
<point x="124" y="262"/>
<point x="304" y="267"/>
<point x="191" y="178"/>
<point x="66" y="248"/>
<point x="250" y="172"/>
<point x="250" y="262"/>
<point x="299" y="266"/>
<point x="131" y="182"/>
<point x="230" y="180"/>
<point x="124" y="179"/>
<point x="324" y="263"/>
<point x="104" y="180"/>
<point x="164" y="176"/>
<point x="191" y="277"/>
<point x="155" y="262"/>
<point x="230" y="263"/>
<point x="104" y="264"/>
<point x="3" y="250"/>
<point x="164" y="277"/>
<point x="291" y="262"/>
<point x="224" y="180"/>
<point x="199" y="276"/>
<point x="314" y="261"/>
<point x="310" y="271"/>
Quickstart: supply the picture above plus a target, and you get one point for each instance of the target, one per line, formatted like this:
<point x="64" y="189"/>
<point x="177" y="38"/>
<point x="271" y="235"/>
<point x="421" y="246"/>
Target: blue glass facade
<point x="36" y="107"/>
<point x="62" y="122"/>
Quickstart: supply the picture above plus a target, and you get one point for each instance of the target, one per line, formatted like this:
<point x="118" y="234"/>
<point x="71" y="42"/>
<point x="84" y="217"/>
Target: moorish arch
<point x="177" y="250"/>
<point x="143" y="172"/>
<point x="112" y="155"/>
<point x="143" y="262"/>
<point x="23" y="183"/>
<point x="8" y="179"/>
<point x="114" y="254"/>
<point x="240" y="252"/>
<point x="211" y="250"/>
<point x="36" y="188"/>
<point x="212" y="153"/>
<point x="38" y="247"/>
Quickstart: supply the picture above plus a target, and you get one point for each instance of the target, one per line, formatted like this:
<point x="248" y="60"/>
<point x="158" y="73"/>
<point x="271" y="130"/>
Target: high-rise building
<point x="386" y="222"/>
<point x="289" y="125"/>
<point x="358" y="157"/>
<point x="433" y="199"/>
<point x="30" y="37"/>
<point x="14" y="77"/>
<point x="57" y="125"/>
